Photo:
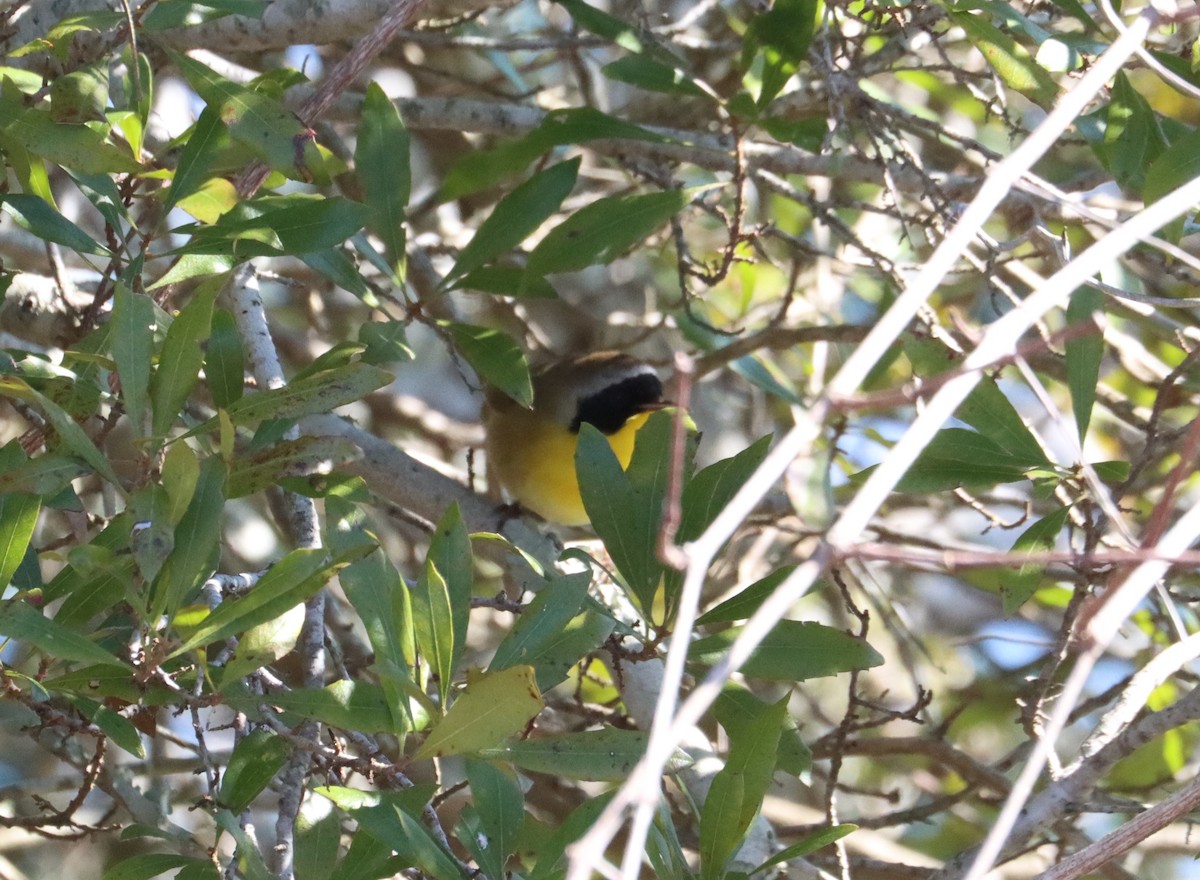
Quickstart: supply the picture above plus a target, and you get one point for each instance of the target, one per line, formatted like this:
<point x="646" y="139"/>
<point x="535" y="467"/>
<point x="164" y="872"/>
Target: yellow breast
<point x="534" y="459"/>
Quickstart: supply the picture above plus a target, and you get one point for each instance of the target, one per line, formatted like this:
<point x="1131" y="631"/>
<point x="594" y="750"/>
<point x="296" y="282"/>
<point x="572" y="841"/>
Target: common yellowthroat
<point x="532" y="451"/>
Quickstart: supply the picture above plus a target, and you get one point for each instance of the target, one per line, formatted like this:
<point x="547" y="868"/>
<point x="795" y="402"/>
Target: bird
<point x="531" y="452"/>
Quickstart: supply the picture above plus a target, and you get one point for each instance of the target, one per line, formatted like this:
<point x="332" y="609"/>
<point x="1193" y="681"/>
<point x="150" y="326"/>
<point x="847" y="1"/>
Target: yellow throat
<point x="532" y="451"/>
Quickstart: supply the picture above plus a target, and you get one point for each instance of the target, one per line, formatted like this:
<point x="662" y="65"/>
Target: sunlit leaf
<point x="517" y="215"/>
<point x="602" y="231"/>
<point x="608" y="754"/>
<point x="494" y="706"/>
<point x="20" y="621"/>
<point x="497" y="358"/>
<point x="1008" y="58"/>
<point x="290" y="581"/>
<point x="381" y="163"/>
<point x="256" y="758"/>
<point x="182" y="356"/>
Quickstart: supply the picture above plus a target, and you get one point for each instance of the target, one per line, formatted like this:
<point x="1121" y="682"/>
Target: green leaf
<point x="97" y="577"/>
<point x="57" y="40"/>
<point x="494" y="706"/>
<point x="384" y="605"/>
<point x="116" y="727"/>
<point x="553" y="606"/>
<point x="481" y="169"/>
<point x="153" y="539"/>
<point x="197" y="542"/>
<point x="602" y="231"/>
<point x="40" y="218"/>
<point x="224" y="365"/>
<point x="101" y="680"/>
<point x="356" y="801"/>
<point x="348" y="705"/>
<point x="18" y="517"/>
<point x="577" y="125"/>
<point x="625" y="35"/>
<point x="101" y="190"/>
<point x="255" y="760"/>
<point x="780" y="37"/>
<point x="752" y="754"/>
<point x="131" y="342"/>
<point x="809" y="844"/>
<point x="80" y="95"/>
<point x="146" y="865"/>
<point x="470" y="834"/>
<point x="73" y="436"/>
<point x="200" y="869"/>
<point x="305" y="456"/>
<point x="986" y="409"/>
<point x="792" y="651"/>
<point x="313" y="393"/>
<point x="450" y="553"/>
<point x="742" y="605"/>
<point x="501" y="812"/>
<point x="605" y="755"/>
<point x="625" y="507"/>
<point x="258" y="121"/>
<point x="20" y="621"/>
<point x="664" y="851"/>
<point x="711" y="489"/>
<point x="215" y="198"/>
<point x="262" y="645"/>
<point x="736" y="709"/>
<point x="517" y="215"/>
<point x="646" y="73"/>
<point x="386" y="342"/>
<point x="333" y="263"/>
<point x="551" y="858"/>
<point x="807" y="134"/>
<point x="739" y="787"/>
<point x="292" y="580"/>
<point x="1178" y="164"/>
<point x="403" y="831"/>
<point x="1008" y="58"/>
<point x="250" y="862"/>
<point x="190" y="266"/>
<point x="1112" y="471"/>
<point x="318" y="841"/>
<point x="79" y="148"/>
<point x="505" y="281"/>
<point x="1019" y="585"/>
<point x="1133" y="137"/>
<point x="368" y="858"/>
<point x="180" y="474"/>
<point x="296" y="224"/>
<point x="719" y="832"/>
<point x="992" y="414"/>
<point x="182" y="13"/>
<point x="208" y="138"/>
<point x="1084" y="355"/>
<point x="1077" y="9"/>
<point x="382" y="165"/>
<point x="557" y="630"/>
<point x="433" y="625"/>
<point x="337" y="265"/>
<point x="182" y="356"/>
<point x="46" y="475"/>
<point x="497" y="359"/>
<point x="958" y="457"/>
<point x="103" y="589"/>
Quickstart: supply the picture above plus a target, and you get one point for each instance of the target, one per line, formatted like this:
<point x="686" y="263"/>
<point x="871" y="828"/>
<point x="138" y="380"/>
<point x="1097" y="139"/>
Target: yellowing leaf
<point x="494" y="706"/>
